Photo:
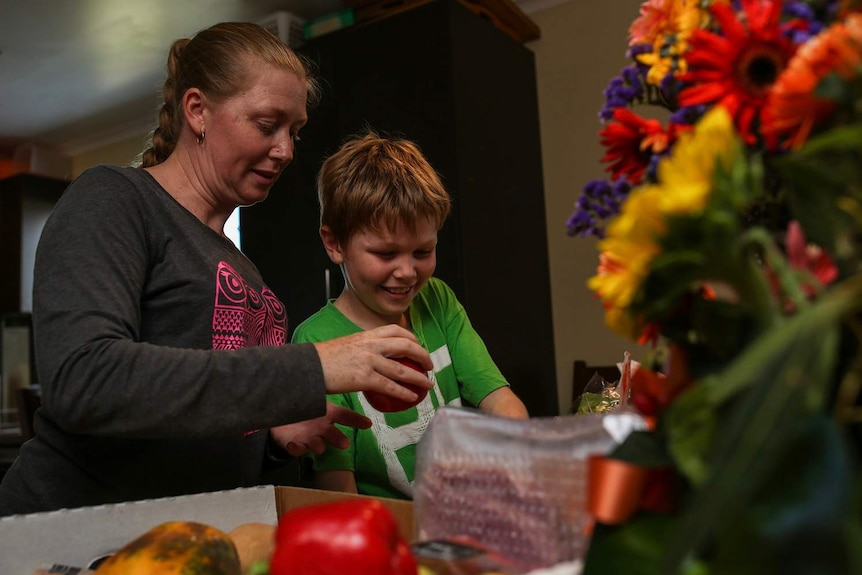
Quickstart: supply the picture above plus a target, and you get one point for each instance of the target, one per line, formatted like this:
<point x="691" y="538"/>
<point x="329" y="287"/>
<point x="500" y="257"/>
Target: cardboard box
<point x="75" y="537"/>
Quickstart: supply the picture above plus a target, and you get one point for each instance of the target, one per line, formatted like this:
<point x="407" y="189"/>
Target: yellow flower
<point x="686" y="175"/>
<point x="626" y="255"/>
<point x="613" y="284"/>
<point x="632" y="242"/>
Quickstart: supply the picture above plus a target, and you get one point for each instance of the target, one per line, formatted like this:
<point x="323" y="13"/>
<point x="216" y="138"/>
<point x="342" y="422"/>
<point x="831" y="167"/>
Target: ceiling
<point x="78" y="74"/>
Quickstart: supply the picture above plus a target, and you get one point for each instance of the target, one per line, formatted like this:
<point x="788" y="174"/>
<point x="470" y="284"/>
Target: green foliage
<point x="766" y="436"/>
<point x="823" y="189"/>
<point x="644" y="448"/>
<point x="806" y="522"/>
<point x="634" y="548"/>
<point x="785" y="377"/>
<point x="752" y="437"/>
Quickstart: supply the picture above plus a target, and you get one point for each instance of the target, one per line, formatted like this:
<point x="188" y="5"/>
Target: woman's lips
<point x="267" y="176"/>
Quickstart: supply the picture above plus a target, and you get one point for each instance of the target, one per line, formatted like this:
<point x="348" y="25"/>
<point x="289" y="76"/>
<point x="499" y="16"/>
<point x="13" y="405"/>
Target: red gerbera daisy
<point x="738" y="69"/>
<point x="630" y="142"/>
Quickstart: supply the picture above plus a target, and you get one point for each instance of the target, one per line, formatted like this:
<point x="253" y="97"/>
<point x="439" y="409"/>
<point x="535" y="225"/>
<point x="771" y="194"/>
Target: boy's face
<point x="385" y="271"/>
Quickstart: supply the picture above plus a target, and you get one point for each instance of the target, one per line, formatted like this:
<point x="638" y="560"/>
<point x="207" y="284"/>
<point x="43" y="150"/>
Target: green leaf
<point x="785" y="375"/>
<point x="634" y="548"/>
<point x="816" y="177"/>
<point x="848" y="137"/>
<point x="644" y="448"/>
<point x="690" y="427"/>
<point x="259" y="568"/>
<point x="718" y="344"/>
<point x="803" y="523"/>
<point x="832" y="87"/>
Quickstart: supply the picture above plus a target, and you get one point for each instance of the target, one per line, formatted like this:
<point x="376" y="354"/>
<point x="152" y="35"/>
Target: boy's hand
<point x="313" y="434"/>
<point x="363" y="361"/>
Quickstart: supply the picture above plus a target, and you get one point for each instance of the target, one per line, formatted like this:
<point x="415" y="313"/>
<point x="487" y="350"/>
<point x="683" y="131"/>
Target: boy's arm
<point x="503" y="401"/>
<point x="335" y="480"/>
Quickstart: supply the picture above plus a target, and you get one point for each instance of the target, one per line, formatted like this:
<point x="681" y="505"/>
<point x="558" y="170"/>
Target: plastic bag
<point x="518" y="487"/>
<point x="599" y="395"/>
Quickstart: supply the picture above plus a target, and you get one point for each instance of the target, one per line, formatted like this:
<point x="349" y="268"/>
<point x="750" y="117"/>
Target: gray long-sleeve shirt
<point x="159" y="352"/>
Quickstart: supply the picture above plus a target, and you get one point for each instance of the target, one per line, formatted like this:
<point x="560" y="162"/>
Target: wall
<point x="582" y="47"/>
<point x="120" y="153"/>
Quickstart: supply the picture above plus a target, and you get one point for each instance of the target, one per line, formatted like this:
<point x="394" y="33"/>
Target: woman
<point x="159" y="347"/>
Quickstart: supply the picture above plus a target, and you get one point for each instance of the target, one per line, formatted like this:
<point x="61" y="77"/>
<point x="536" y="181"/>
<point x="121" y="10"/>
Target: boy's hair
<point x="373" y="182"/>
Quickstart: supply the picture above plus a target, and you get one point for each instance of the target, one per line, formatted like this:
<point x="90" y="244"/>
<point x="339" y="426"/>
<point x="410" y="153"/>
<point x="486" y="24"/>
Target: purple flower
<point x="622" y="91"/>
<point x="580" y="223"/>
<point x="600" y="200"/>
<point x="669" y="86"/>
<point x="652" y="169"/>
<point x="639" y="49"/>
<point x="804" y="20"/>
<point x="798" y="9"/>
<point x="688" y="115"/>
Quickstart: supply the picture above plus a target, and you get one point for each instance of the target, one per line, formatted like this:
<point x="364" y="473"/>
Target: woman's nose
<point x="282" y="150"/>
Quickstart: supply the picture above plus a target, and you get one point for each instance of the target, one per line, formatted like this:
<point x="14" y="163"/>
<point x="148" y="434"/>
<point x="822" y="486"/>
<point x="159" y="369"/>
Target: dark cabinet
<point x="26" y="200"/>
<point x="466" y="93"/>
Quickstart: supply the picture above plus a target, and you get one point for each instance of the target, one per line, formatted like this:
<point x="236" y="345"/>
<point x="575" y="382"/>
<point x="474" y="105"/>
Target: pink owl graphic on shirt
<point x="242" y="317"/>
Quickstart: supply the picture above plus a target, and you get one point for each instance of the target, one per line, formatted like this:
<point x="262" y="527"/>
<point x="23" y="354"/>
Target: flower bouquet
<point x="731" y="238"/>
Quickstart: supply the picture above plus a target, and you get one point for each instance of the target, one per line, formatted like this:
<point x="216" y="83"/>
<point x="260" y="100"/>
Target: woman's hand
<point x="362" y="362"/>
<point x="314" y="434"/>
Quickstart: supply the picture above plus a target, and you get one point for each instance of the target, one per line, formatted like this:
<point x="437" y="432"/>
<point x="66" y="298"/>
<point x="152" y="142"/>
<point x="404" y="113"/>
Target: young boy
<point x="382" y="205"/>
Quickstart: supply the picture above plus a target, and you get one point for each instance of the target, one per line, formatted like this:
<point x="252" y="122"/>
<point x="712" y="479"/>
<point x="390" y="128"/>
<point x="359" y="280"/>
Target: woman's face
<point x="250" y="137"/>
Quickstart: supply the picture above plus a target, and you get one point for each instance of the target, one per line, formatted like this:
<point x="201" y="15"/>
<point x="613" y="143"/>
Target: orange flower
<point x="655" y="16"/>
<point x="793" y="108"/>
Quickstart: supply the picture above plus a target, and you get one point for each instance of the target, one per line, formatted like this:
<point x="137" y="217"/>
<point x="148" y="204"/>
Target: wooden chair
<point x="583" y="373"/>
<point x="29" y="399"/>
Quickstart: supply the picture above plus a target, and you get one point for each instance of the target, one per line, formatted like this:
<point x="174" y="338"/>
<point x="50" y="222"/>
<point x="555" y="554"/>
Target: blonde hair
<point x="372" y="181"/>
<point x="217" y="60"/>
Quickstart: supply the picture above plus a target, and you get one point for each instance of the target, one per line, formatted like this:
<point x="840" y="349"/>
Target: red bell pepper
<point x="347" y="537"/>
<point x="387" y="403"/>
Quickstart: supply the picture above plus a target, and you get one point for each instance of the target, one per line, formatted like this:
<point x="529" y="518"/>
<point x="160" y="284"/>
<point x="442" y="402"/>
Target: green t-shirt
<point x="383" y="457"/>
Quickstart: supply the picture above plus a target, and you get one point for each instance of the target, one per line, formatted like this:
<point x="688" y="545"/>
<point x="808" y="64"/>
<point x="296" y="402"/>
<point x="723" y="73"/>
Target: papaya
<point x="254" y="543"/>
<point x="175" y="548"/>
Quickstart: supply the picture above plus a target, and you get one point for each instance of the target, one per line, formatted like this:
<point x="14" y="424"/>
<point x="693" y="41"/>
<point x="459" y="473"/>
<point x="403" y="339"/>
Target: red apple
<point x="387" y="403"/>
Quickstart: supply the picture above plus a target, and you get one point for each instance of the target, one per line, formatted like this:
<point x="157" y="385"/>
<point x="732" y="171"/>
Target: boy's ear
<point x="333" y="249"/>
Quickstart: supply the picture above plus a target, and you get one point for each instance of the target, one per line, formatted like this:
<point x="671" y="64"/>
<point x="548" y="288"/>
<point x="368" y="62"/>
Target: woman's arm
<point x="124" y="323"/>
